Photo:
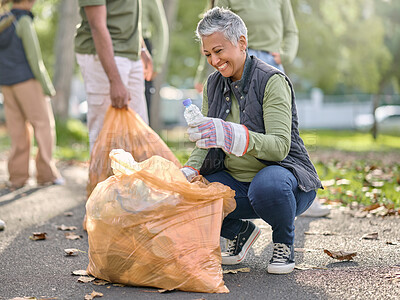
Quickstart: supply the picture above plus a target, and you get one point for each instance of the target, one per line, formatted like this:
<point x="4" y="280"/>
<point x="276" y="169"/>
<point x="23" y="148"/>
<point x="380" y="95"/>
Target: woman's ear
<point x="242" y="43"/>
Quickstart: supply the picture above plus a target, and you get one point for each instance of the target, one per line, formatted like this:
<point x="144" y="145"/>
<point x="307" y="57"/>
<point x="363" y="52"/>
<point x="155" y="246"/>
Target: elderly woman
<point x="250" y="142"/>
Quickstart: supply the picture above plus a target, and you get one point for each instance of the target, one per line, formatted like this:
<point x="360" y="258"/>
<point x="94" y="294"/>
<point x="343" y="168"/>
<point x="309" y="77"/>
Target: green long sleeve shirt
<point x="30" y="42"/>
<point x="274" y="145"/>
<point x="155" y="28"/>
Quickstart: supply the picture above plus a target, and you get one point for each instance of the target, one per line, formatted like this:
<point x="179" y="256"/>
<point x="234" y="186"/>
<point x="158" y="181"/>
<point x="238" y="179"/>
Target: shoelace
<point x="281" y="253"/>
<point x="231" y="246"/>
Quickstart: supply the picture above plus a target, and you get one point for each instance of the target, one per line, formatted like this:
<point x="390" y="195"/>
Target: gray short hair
<point x="222" y="20"/>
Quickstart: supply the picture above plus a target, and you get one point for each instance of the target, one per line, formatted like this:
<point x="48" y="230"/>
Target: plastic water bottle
<point x="192" y="113"/>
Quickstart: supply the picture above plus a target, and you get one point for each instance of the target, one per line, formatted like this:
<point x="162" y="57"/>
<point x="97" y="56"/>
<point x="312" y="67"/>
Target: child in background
<point x="26" y="88"/>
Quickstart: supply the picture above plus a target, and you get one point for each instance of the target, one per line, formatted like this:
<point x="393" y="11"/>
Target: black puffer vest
<point x="219" y="91"/>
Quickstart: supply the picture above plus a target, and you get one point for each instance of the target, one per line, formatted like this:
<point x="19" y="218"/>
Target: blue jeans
<point x="266" y="57"/>
<point x="273" y="196"/>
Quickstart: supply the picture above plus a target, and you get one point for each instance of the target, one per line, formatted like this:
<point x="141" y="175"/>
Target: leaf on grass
<point x="341" y="255"/>
<point x="327" y="183"/>
<point x="80" y="273"/>
<point x="71" y="252"/>
<point x="38" y="236"/>
<point x="86" y="279"/>
<point x="93" y="295"/>
<point x="343" y="182"/>
<point x="100" y="282"/>
<point x="72" y="236"/>
<point x="235" y="271"/>
<point x="370" y="236"/>
<point x="372" y="207"/>
<point x="309" y="267"/>
<point x="66" y="228"/>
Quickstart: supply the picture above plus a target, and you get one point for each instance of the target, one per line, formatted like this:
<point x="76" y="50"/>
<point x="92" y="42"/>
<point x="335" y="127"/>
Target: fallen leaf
<point x="341" y="255"/>
<point x="86" y="279"/>
<point x="326" y="233"/>
<point x="65" y="228"/>
<point x="235" y="271"/>
<point x="80" y="273"/>
<point x="372" y="207"/>
<point x="308" y="267"/>
<point x="370" y="236"/>
<point x="38" y="236"/>
<point x="100" y="282"/>
<point x="343" y="182"/>
<point x="119" y="284"/>
<point x="392" y="243"/>
<point x="72" y="236"/>
<point x="71" y="252"/>
<point x="93" y="295"/>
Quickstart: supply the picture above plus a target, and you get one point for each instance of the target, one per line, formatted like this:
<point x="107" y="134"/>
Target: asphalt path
<point x="41" y="269"/>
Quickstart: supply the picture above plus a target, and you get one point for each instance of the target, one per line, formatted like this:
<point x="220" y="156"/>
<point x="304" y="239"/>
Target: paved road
<point x="40" y="269"/>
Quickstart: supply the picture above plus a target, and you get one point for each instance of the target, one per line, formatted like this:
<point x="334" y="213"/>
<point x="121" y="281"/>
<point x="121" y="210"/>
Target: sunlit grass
<point x="349" y="141"/>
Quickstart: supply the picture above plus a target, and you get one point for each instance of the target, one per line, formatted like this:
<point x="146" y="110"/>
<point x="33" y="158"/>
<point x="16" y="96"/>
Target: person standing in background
<point x="273" y="38"/>
<point x="27" y="88"/>
<point x="156" y="36"/>
<point x="113" y="59"/>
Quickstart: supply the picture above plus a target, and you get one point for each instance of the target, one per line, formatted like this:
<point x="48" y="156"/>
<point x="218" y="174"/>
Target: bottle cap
<point x="187" y="102"/>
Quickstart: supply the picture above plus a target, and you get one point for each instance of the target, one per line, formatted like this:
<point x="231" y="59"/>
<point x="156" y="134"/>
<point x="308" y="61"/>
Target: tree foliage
<point x="341" y="45"/>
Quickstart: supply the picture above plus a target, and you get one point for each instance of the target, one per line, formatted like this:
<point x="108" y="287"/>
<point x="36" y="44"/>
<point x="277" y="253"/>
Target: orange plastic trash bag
<point x="124" y="129"/>
<point x="148" y="226"/>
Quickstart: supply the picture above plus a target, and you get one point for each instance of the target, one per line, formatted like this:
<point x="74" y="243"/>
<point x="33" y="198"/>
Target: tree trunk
<point x="65" y="58"/>
<point x="170" y="7"/>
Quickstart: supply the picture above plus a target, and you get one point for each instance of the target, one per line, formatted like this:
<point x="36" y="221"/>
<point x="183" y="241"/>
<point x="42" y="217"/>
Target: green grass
<point x="349" y="141"/>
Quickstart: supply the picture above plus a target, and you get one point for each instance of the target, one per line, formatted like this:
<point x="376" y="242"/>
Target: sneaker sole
<point x="234" y="260"/>
<point x="280" y="269"/>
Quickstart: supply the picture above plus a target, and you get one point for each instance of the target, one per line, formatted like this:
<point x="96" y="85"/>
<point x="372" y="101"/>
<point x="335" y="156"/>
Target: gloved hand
<point x="216" y="133"/>
<point x="189" y="173"/>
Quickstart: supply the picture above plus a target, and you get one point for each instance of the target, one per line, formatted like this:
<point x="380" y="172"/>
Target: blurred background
<point x="346" y="77"/>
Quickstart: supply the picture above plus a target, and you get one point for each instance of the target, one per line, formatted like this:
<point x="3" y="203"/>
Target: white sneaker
<point x="316" y="210"/>
<point x="59" y="181"/>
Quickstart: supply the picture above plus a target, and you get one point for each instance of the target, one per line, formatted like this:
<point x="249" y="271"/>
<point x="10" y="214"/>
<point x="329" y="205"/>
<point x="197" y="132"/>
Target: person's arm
<point x="97" y="18"/>
<point x="274" y="145"/>
<point x="290" y="41"/>
<point x="30" y="42"/>
<point x="160" y="36"/>
<point x="147" y="61"/>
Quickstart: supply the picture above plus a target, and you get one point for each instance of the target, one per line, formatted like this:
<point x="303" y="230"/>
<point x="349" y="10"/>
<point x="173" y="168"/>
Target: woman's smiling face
<point x="227" y="58"/>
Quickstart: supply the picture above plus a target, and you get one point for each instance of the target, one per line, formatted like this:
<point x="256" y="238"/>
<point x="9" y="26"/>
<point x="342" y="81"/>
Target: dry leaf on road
<point x="71" y="252"/>
<point x="235" y="271"/>
<point x="66" y="228"/>
<point x="38" y="236"/>
<point x="72" y="236"/>
<point x="341" y="255"/>
<point x="86" y="279"/>
<point x="80" y="273"/>
<point x="93" y="295"/>
<point x="370" y="236"/>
